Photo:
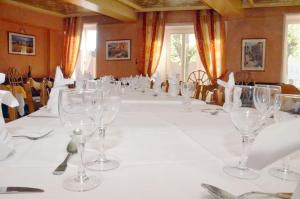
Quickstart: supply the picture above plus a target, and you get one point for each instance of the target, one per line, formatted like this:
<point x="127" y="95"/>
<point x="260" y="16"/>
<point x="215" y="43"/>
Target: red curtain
<point x="71" y="45"/>
<point x="210" y="35"/>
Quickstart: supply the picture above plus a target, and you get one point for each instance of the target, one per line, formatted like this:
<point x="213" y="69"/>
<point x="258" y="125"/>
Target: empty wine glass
<point x="77" y="107"/>
<point x="264" y="98"/>
<point x="187" y="90"/>
<point x="287" y="107"/>
<point x="110" y="107"/>
<point x="247" y="119"/>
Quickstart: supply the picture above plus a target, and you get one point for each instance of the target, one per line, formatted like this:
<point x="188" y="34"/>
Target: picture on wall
<point x="118" y="50"/>
<point x="21" y="44"/>
<point x="253" y="54"/>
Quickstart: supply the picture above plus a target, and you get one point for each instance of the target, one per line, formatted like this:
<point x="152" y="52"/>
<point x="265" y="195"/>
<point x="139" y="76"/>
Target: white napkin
<point x="157" y="84"/>
<point x="59" y="83"/>
<point x="2" y="78"/>
<point x="275" y="142"/>
<point x="228" y="89"/>
<point x="6" y="146"/>
<point x="296" y="194"/>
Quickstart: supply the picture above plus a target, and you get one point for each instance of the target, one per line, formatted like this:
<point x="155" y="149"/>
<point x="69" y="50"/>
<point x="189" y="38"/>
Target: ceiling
<point x="126" y="10"/>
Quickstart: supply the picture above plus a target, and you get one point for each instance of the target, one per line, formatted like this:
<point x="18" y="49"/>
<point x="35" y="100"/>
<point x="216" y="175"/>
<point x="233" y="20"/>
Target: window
<point x="179" y="54"/>
<point x="86" y="62"/>
<point x="291" y="72"/>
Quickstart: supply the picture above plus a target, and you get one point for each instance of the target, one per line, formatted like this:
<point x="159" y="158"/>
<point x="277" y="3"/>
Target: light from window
<point x="293" y="54"/>
<point x="86" y="61"/>
<point x="179" y="54"/>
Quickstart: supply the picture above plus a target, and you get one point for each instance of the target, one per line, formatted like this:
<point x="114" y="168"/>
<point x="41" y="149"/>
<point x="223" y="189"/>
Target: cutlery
<point x="31" y="137"/>
<point x="42" y="116"/>
<point x="219" y="193"/>
<point x="71" y="149"/>
<point x="13" y="190"/>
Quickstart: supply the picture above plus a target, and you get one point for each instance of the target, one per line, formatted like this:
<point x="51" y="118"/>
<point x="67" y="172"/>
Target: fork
<point x="32" y="138"/>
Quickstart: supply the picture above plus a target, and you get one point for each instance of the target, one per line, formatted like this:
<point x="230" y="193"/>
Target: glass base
<point x="284" y="174"/>
<point x="73" y="183"/>
<point x="242" y="173"/>
<point x="102" y="165"/>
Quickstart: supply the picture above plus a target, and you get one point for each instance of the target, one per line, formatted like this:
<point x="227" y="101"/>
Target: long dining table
<point x="164" y="153"/>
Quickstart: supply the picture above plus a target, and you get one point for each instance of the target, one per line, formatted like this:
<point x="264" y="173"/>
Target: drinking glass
<point x="77" y="107"/>
<point x="246" y="119"/>
<point x="264" y="98"/>
<point x="187" y="90"/>
<point x="110" y="103"/>
<point x="287" y="107"/>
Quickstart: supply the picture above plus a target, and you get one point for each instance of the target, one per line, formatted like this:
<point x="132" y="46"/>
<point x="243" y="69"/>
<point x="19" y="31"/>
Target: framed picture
<point x="21" y="44"/>
<point x="253" y="54"/>
<point x="118" y="50"/>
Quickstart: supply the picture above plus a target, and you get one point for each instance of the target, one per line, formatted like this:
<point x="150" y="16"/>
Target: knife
<point x="13" y="190"/>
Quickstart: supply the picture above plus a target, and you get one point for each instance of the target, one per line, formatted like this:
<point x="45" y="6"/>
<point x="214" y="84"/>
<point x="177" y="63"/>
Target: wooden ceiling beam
<point x="174" y="8"/>
<point x="131" y="4"/>
<point x="112" y="9"/>
<point x="225" y="7"/>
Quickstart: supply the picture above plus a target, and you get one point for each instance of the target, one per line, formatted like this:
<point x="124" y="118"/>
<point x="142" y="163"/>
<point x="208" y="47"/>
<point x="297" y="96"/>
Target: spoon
<point x="71" y="149"/>
<point x="222" y="194"/>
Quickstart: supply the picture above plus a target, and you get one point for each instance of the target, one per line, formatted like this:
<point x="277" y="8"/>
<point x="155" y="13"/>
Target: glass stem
<point x="81" y="175"/>
<point x="101" y="156"/>
<point x="286" y="164"/>
<point x="244" y="155"/>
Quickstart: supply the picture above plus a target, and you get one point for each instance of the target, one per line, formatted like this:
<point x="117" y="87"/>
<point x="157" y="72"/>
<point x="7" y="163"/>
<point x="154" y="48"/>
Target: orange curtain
<point x="71" y="45"/>
<point x="210" y="36"/>
<point x="153" y="31"/>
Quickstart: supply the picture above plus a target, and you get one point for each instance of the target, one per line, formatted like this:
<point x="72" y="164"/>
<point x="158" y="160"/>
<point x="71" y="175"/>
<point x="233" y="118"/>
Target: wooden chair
<point x="199" y="77"/>
<point x="243" y="78"/>
<point x="29" y="100"/>
<point x="165" y="86"/>
<point x="44" y="93"/>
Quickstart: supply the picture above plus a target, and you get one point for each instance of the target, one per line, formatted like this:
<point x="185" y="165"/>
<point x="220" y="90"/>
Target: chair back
<point x="44" y="95"/>
<point x="289" y="89"/>
<point x="243" y="78"/>
<point x="165" y="86"/>
<point x="199" y="77"/>
<point x="14" y="77"/>
<point x="29" y="99"/>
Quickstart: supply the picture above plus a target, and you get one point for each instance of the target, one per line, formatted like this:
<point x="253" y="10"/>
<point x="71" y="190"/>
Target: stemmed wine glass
<point x="110" y="104"/>
<point x="77" y="107"/>
<point x="187" y="90"/>
<point x="287" y="107"/>
<point x="247" y="119"/>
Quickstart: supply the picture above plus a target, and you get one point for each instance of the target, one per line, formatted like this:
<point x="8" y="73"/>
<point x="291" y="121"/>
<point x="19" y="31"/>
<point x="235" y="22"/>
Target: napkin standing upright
<point x="228" y="90"/>
<point x="59" y="83"/>
<point x="173" y="87"/>
<point x="6" y="147"/>
<point x="157" y="84"/>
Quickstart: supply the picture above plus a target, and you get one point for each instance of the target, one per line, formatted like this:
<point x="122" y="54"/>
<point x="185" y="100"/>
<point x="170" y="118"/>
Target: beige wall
<point x="265" y="23"/>
<point x="48" y="32"/>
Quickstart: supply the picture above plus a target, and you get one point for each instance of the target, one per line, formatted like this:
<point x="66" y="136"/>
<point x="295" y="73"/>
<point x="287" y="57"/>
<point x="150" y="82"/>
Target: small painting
<point x="118" y="50"/>
<point x="21" y="44"/>
<point x="253" y="54"/>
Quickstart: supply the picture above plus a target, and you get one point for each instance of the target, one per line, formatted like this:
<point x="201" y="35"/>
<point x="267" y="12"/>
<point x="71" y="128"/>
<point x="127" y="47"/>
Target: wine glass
<point x="287" y="107"/>
<point x="187" y="90"/>
<point x="77" y="107"/>
<point x="264" y="98"/>
<point x="110" y="103"/>
<point x="246" y="119"/>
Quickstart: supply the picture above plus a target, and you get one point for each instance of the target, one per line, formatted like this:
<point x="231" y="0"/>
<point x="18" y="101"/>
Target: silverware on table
<point x="71" y="149"/>
<point x="219" y="193"/>
<point x="42" y="116"/>
<point x="13" y="190"/>
<point x="33" y="137"/>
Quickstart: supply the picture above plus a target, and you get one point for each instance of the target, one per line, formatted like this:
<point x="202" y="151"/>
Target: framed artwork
<point x="118" y="50"/>
<point x="253" y="54"/>
<point x="21" y="44"/>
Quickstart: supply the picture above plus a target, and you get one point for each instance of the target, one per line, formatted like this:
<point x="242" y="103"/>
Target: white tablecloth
<point x="165" y="153"/>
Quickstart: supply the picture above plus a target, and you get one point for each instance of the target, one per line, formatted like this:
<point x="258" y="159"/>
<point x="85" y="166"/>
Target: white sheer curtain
<point x="86" y="62"/>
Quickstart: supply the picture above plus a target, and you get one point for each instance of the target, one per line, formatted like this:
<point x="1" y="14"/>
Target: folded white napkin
<point x="2" y="78"/>
<point x="59" y="83"/>
<point x="296" y="194"/>
<point x="6" y="146"/>
<point x="228" y="89"/>
<point x="157" y="84"/>
<point x="275" y="142"/>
